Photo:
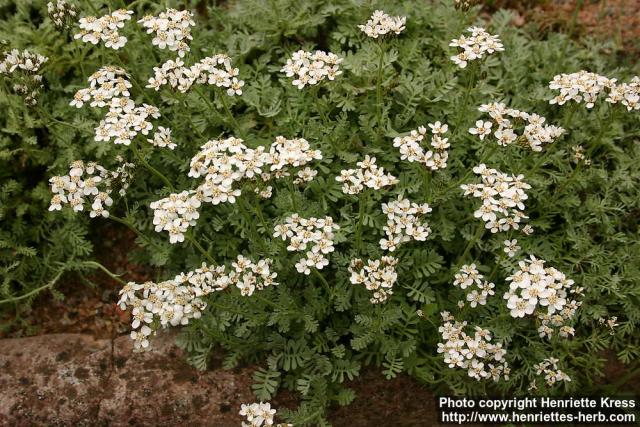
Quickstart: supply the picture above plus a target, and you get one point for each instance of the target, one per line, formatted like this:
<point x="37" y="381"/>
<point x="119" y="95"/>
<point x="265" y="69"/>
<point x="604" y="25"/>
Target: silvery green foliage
<point x="313" y="333"/>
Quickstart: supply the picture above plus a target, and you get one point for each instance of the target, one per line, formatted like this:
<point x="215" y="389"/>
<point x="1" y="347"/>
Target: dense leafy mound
<point x="311" y="333"/>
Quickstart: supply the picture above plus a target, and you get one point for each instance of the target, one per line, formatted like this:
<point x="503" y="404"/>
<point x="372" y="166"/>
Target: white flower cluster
<point x="586" y="87"/>
<point x="579" y="156"/>
<point x="89" y="180"/>
<point x="474" y="353"/>
<point x="109" y="87"/>
<point x="105" y="29"/>
<point x="381" y="24"/>
<point x="172" y="30"/>
<point x="502" y="198"/>
<point x="475" y="46"/>
<point x="535" y="133"/>
<point x="368" y="175"/>
<point x="23" y="67"/>
<point x="511" y="247"/>
<point x="176" y="213"/>
<point x="305" y="175"/>
<point x="549" y="367"/>
<point x="377" y="276"/>
<point x="611" y="323"/>
<point x="259" y="415"/>
<point x="464" y="4"/>
<point x="175" y="302"/>
<point x="404" y="223"/>
<point x="411" y="150"/>
<point x="302" y="233"/>
<point x="534" y="286"/>
<point x="223" y="164"/>
<point x="213" y="70"/>
<point x="62" y="14"/>
<point x="468" y="276"/>
<point x="310" y="68"/>
<point x="162" y="138"/>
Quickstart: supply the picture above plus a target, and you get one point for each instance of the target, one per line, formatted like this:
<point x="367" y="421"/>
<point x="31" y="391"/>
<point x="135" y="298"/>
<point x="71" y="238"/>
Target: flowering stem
<point x="200" y="248"/>
<point x="379" y="89"/>
<point x="233" y="120"/>
<point x="476" y="237"/>
<point x="364" y="197"/>
<point x="426" y="175"/>
<point x="50" y="284"/>
<point x="152" y="169"/>
<point x="245" y="214"/>
<point x="108" y="272"/>
<point x="292" y="194"/>
<point x="324" y="282"/>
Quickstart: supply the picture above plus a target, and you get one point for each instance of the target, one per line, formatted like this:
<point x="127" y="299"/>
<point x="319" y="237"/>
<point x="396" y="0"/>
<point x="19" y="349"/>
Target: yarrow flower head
<point x="585" y="87"/>
<point x="476" y="46"/>
<point x="224" y="164"/>
<point x="368" y="175"/>
<point x="172" y="30"/>
<point x="310" y="68"/>
<point x="404" y="223"/>
<point x="474" y="353"/>
<point x="314" y="236"/>
<point x="175" y="302"/>
<point x="89" y="182"/>
<point x="468" y="276"/>
<point x="377" y="276"/>
<point x="259" y="415"/>
<point x="109" y="87"/>
<point x="546" y="289"/>
<point x="549" y="368"/>
<point x="511" y="247"/>
<point x="411" y="150"/>
<point x="464" y="4"/>
<point x="502" y="198"/>
<point x="62" y="14"/>
<point x="535" y="134"/>
<point x="213" y="70"/>
<point x="381" y="24"/>
<point x="104" y="29"/>
<point x="23" y="68"/>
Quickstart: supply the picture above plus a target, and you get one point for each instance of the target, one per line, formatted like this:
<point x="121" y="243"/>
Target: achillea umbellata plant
<point x="323" y="186"/>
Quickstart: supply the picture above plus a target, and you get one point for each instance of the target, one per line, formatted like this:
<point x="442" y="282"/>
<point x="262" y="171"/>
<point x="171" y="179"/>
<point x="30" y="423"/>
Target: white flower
<point x="476" y="46"/>
<point x="482" y="129"/>
<point x="411" y="150"/>
<point x="302" y="233"/>
<point x="404" y="223"/>
<point x="377" y="276"/>
<point x="172" y="30"/>
<point x="511" y="247"/>
<point x="369" y="175"/>
<point x="585" y="87"/>
<point x="94" y="30"/>
<point x="310" y="68"/>
<point x="381" y="24"/>
<point x="502" y="198"/>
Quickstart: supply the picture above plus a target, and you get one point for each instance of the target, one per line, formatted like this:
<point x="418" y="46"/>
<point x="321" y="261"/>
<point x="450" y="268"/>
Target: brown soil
<point x="613" y="20"/>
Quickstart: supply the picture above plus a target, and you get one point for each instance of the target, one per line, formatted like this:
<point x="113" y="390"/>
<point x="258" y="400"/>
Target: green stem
<point x="108" y="272"/>
<point x="198" y="246"/>
<point x="426" y="177"/>
<point x="245" y="214"/>
<point x="233" y="120"/>
<point x="475" y="239"/>
<point x="153" y="170"/>
<point x="35" y="291"/>
<point x="364" y="196"/>
<point x="292" y="192"/>
<point x="324" y="282"/>
<point x="379" y="89"/>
